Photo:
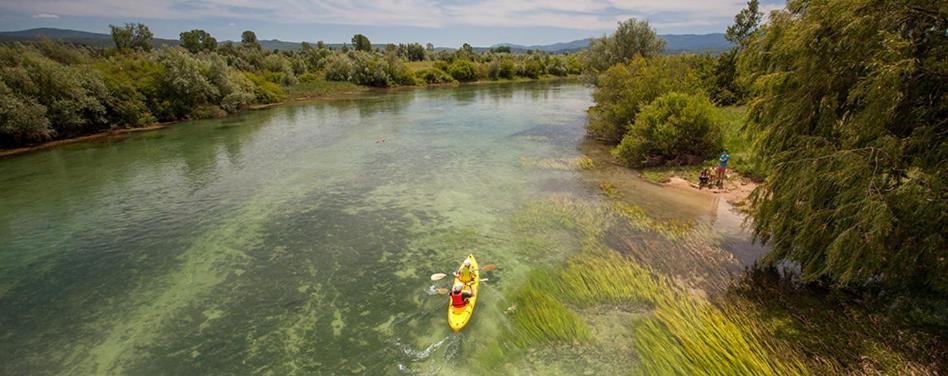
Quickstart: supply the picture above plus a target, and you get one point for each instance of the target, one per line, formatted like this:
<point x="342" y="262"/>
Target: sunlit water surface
<point x="300" y="239"/>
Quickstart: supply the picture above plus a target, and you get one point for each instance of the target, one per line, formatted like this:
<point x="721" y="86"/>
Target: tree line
<point x="50" y="90"/>
<point x="848" y="113"/>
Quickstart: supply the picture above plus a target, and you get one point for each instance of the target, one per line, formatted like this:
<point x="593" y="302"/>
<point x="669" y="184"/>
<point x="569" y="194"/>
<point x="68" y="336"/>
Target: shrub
<point x="308" y="77"/>
<point x="22" y="119"/>
<point x="72" y="97"/>
<point x="674" y="129"/>
<point x="624" y="88"/>
<point x="339" y="67"/>
<point x="264" y="91"/>
<point x="369" y="70"/>
<point x="399" y="72"/>
<point x="463" y="70"/>
<point x="208" y="111"/>
<point x="183" y="82"/>
<point x="434" y="76"/>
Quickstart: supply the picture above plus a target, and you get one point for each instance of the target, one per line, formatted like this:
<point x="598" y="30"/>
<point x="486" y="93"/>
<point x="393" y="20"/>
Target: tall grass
<point x="541" y="317"/>
<point x="683" y="332"/>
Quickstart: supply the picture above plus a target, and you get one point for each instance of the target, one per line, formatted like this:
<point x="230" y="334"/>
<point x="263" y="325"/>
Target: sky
<point x="445" y="23"/>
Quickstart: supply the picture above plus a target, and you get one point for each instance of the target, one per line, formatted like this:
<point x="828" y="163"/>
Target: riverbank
<point x="313" y="90"/>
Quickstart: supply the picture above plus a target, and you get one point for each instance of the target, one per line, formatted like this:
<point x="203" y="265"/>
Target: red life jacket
<point x="457" y="300"/>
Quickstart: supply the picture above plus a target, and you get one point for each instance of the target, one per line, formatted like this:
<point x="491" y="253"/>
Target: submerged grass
<point x="565" y="164"/>
<point x="683" y="334"/>
<point x="541" y="317"/>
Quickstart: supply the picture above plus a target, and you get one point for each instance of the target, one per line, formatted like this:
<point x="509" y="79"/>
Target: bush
<point x="399" y="72"/>
<point x="674" y="129"/>
<point x="22" y="119"/>
<point x="369" y="70"/>
<point x="434" y="76"/>
<point x="463" y="70"/>
<point x="308" y="77"/>
<point x="502" y="68"/>
<point x="72" y="97"/>
<point x="339" y="67"/>
<point x="183" y="82"/>
<point x="624" y="88"/>
<point x="265" y="91"/>
<point x="208" y="111"/>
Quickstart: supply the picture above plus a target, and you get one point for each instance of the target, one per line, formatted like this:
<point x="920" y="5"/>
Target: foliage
<point x="745" y="24"/>
<point x="198" y="40"/>
<point x="633" y="38"/>
<point x="264" y="91"/>
<point x="625" y="88"/>
<point x="463" y="70"/>
<point x="850" y="108"/>
<point x="248" y="39"/>
<point x="184" y="82"/>
<point x="434" y="76"/>
<point x="22" y="119"/>
<point x="70" y="98"/>
<point x="674" y="129"/>
<point x="131" y="36"/>
<point x="361" y="43"/>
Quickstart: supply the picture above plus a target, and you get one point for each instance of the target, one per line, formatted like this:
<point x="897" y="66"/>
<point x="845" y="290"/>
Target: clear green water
<point x="299" y="239"/>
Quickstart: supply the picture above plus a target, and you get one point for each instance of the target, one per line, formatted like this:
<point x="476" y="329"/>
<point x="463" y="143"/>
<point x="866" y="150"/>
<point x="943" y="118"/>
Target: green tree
<point x="249" y="39"/>
<point x="632" y="38"/>
<point x="674" y="129"/>
<point x="746" y="22"/>
<point x="463" y="70"/>
<point x="361" y="43"/>
<point x="624" y="89"/>
<point x="132" y="36"/>
<point x="198" y="40"/>
<point x="852" y="115"/>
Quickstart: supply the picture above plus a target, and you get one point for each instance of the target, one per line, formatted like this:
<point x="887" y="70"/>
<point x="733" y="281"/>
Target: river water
<point x="300" y="239"/>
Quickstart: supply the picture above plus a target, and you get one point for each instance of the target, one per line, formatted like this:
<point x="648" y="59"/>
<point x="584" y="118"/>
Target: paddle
<point x="445" y="290"/>
<point x="440" y="276"/>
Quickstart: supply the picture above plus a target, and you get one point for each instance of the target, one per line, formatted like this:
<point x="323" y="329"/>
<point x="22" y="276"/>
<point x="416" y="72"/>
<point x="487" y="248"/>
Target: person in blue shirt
<point x="722" y="167"/>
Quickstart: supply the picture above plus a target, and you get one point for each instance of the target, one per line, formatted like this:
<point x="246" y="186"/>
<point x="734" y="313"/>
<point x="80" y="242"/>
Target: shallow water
<point x="300" y="239"/>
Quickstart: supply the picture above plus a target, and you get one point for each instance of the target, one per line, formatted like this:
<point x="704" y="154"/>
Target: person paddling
<point x="460" y="295"/>
<point x="466" y="273"/>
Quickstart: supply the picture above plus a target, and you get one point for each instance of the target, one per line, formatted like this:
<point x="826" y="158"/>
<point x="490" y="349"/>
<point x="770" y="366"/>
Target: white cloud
<point x="45" y="15"/>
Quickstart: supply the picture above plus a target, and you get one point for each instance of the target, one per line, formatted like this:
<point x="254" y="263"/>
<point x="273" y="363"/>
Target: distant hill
<point x="675" y="43"/>
<point x="70" y="36"/>
<point x="86" y="38"/>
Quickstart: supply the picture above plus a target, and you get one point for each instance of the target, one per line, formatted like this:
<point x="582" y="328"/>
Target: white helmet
<point x="467" y="262"/>
<point x="458" y="286"/>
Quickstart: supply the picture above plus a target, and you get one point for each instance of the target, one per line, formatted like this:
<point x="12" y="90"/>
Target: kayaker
<point x="459" y="295"/>
<point x="466" y="273"/>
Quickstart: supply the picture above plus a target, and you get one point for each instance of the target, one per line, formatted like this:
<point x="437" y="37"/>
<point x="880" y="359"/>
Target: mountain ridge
<point x="675" y="43"/>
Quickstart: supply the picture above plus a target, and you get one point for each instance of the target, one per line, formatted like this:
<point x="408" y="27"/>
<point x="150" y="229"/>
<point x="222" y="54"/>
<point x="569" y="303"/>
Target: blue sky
<point x="442" y="22"/>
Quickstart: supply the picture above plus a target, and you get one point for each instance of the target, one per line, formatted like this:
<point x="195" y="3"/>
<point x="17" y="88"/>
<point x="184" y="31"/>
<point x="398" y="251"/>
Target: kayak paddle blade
<point x="438" y="276"/>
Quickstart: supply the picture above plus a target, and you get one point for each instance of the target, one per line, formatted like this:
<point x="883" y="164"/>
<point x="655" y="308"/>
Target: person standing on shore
<point x="722" y="167"/>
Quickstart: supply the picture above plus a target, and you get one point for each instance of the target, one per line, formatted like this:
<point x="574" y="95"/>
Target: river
<point x="300" y="239"/>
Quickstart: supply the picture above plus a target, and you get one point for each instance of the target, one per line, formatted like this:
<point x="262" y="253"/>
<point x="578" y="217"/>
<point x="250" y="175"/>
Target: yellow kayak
<point x="459" y="316"/>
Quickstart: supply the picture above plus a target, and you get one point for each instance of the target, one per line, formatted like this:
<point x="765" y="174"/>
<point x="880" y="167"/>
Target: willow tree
<point x="852" y="119"/>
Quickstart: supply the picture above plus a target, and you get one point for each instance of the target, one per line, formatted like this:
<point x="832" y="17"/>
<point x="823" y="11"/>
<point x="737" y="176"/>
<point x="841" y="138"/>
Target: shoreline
<point x="736" y="191"/>
<point x="300" y="97"/>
